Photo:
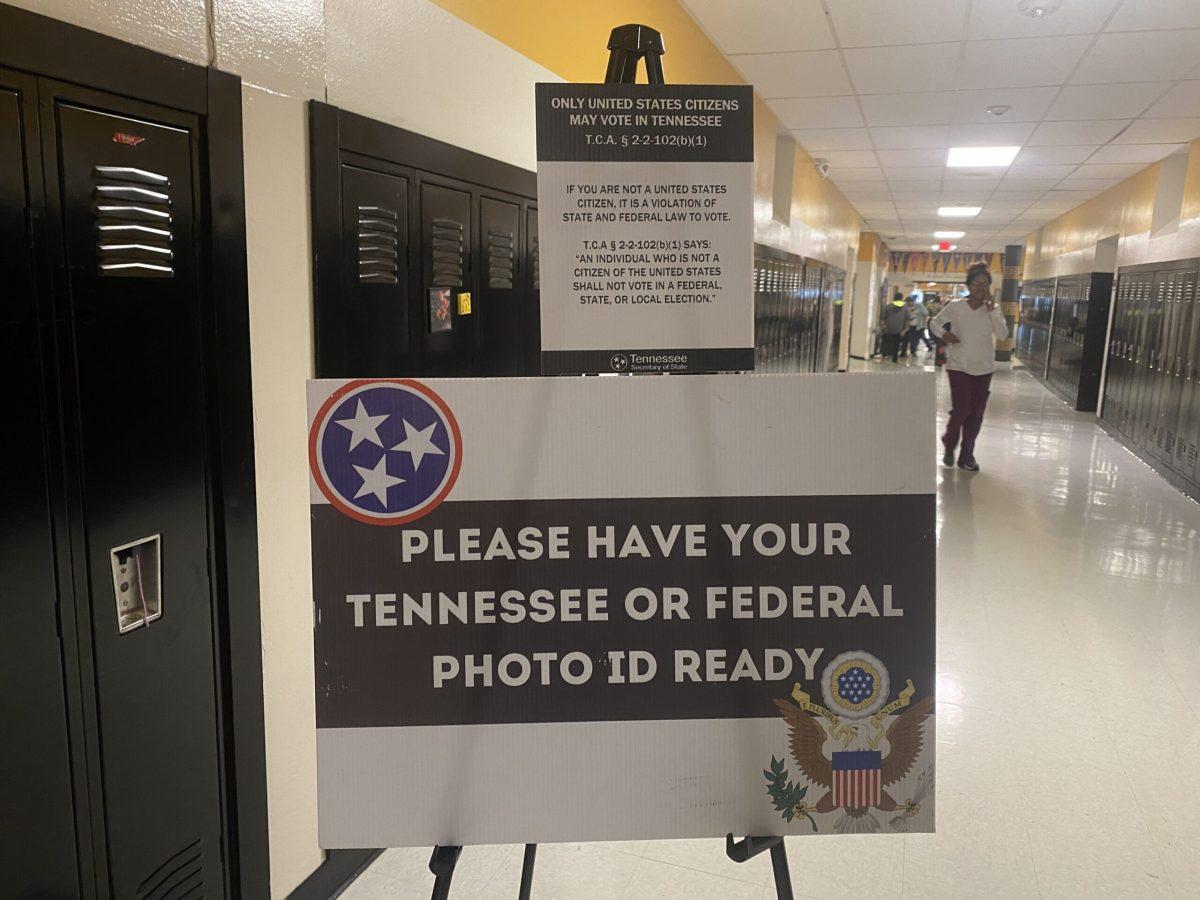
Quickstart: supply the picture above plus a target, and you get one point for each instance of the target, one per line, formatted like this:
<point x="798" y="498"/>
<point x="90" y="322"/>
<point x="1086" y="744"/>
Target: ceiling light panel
<point x="959" y="212"/>
<point x="948" y="235"/>
<point x="980" y="157"/>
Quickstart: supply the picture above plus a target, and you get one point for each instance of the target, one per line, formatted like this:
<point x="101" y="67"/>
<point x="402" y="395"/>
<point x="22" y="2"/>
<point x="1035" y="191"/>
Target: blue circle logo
<point x="385" y="452"/>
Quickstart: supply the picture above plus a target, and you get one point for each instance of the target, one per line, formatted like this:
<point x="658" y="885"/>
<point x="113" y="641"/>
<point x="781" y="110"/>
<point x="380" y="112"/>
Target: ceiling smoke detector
<point x="999" y="109"/>
<point x="1038" y="9"/>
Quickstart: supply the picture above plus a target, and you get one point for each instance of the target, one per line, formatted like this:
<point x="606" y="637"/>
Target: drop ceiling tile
<point x="1107" y="170"/>
<point x="1028" y="104"/>
<point x="1090" y="184"/>
<point x="1049" y="156"/>
<point x="915" y="173"/>
<point x="814" y="139"/>
<point x="869" y="23"/>
<point x="851" y="159"/>
<point x="927" y="108"/>
<point x="1030" y="184"/>
<point x="1024" y="62"/>
<point x="763" y="25"/>
<point x="1014" y="194"/>
<point x="818" y="112"/>
<point x="1139" y="56"/>
<point x="1038" y="171"/>
<point x="911" y="137"/>
<point x="853" y="175"/>
<point x="926" y="189"/>
<point x="816" y="73"/>
<point x="1180" y="101"/>
<point x="1075" y="192"/>
<point x="1076" y="133"/>
<point x="1133" y="153"/>
<point x="889" y="70"/>
<point x="1105" y="101"/>
<point x="856" y="196"/>
<point x="1002" y="19"/>
<point x="904" y="197"/>
<point x="1141" y="15"/>
<point x="999" y="134"/>
<point x="1161" y="131"/>
<point x="930" y="157"/>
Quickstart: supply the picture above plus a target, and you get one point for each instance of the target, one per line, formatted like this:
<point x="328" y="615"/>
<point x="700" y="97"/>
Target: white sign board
<point x="646" y="239"/>
<point x="620" y="608"/>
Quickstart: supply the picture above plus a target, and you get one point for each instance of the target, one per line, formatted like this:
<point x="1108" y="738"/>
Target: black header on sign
<point x="645" y="123"/>
<point x="627" y="362"/>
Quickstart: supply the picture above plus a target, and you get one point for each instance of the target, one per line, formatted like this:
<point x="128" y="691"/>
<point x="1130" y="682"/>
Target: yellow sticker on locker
<point x="464" y="304"/>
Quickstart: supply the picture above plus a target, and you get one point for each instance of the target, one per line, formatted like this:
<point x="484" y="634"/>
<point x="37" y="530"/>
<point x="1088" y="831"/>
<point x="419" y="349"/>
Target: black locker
<point x="1062" y="332"/>
<point x="130" y="337"/>
<point x="501" y="305"/>
<point x="464" y="299"/>
<point x="35" y="762"/>
<point x="1152" y="397"/>
<point x="448" y="339"/>
<point x="373" y="338"/>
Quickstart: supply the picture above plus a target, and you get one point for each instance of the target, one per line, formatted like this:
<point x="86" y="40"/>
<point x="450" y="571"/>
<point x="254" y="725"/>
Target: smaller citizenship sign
<point x="615" y="608"/>
<point x="645" y="199"/>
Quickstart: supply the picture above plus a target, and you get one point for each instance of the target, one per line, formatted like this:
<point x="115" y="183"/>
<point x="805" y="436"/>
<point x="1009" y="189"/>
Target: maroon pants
<point x="968" y="400"/>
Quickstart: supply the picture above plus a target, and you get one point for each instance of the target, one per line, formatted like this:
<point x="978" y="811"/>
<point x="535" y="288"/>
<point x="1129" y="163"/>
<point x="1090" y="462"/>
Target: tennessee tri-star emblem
<point x="385" y="452"/>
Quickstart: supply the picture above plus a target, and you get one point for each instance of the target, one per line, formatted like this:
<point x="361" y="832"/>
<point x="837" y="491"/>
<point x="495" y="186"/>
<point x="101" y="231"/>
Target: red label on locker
<point x="130" y="140"/>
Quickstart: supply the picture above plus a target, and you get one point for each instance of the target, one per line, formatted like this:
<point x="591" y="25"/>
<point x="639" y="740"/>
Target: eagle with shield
<point x="873" y="745"/>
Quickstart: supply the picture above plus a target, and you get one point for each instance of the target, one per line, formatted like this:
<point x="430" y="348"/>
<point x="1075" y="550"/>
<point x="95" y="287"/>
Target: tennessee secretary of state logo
<point x="386" y="451"/>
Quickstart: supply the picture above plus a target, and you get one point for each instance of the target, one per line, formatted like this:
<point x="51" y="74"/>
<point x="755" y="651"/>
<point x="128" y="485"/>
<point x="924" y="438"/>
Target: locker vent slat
<point x="537" y="267"/>
<point x="447" y="251"/>
<point x="500" y="258"/>
<point x="132" y="210"/>
<point x="179" y="875"/>
<point x="378" y="244"/>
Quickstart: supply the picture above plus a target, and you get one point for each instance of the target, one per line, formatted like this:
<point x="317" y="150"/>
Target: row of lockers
<point x="1152" y="389"/>
<point x="1061" y="332"/>
<point x="797" y="313"/>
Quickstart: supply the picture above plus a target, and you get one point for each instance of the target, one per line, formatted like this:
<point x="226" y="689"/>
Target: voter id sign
<point x="646" y="246"/>
<point x="617" y="608"/>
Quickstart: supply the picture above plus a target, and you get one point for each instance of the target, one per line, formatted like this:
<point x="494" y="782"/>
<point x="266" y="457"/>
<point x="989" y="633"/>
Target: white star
<point x="418" y="443"/>
<point x="376" y="481"/>
<point x="363" y="427"/>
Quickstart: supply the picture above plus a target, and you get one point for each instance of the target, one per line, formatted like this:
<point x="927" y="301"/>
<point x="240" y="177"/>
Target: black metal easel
<point x="627" y="45"/>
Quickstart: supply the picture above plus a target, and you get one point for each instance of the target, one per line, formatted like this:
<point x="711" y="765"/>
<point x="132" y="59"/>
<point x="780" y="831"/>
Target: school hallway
<point x="1068" y="621"/>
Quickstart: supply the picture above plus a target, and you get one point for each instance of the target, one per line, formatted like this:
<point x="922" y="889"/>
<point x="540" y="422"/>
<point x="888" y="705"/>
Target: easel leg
<point x="749" y="847"/>
<point x="527" y="871"/>
<point x="442" y="864"/>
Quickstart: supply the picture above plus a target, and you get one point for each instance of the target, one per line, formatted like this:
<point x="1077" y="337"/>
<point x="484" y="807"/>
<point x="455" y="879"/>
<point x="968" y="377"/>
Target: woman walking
<point x="970" y="361"/>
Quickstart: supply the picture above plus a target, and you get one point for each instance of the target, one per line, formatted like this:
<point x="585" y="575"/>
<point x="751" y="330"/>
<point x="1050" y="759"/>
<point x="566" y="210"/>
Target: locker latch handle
<point x="137" y="582"/>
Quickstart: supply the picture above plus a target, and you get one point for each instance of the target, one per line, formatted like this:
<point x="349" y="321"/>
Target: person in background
<point x="974" y="324"/>
<point x="916" y="331"/>
<point x="932" y="308"/>
<point x="894" y="322"/>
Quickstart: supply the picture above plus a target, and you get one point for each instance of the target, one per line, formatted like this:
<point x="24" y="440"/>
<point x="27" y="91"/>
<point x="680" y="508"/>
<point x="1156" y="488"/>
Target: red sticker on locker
<point x="130" y="140"/>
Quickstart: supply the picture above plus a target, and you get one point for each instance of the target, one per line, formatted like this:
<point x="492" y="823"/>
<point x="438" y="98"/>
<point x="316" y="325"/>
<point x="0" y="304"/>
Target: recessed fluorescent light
<point x="946" y="235"/>
<point x="981" y="157"/>
<point x="959" y="212"/>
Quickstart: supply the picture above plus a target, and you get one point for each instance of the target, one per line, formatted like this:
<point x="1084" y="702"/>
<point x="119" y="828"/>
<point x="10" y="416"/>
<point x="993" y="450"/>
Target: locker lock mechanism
<point x="137" y="582"/>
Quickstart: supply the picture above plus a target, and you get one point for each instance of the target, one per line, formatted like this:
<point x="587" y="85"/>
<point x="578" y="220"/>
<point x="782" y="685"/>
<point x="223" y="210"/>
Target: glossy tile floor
<point x="1069" y="701"/>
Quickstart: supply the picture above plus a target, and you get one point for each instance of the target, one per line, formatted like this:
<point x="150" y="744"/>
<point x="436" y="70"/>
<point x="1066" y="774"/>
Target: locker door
<point x="1139" y="295"/>
<point x="1110" y="408"/>
<point x="447" y="339"/>
<point x="375" y="290"/>
<point x="1187" y="443"/>
<point x="500" y="314"/>
<point x="35" y="763"/>
<point x="1152" y="296"/>
<point x="1162" y="378"/>
<point x="1119" y="358"/>
<point x="1179" y="327"/>
<point x="533" y="294"/>
<point x="132" y="335"/>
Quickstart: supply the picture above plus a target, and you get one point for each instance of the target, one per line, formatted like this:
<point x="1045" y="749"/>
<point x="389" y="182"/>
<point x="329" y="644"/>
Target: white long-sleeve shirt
<point x="975" y="352"/>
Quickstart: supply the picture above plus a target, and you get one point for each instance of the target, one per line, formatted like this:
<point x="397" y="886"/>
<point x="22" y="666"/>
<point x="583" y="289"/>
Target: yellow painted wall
<point x="1068" y="243"/>
<point x="573" y="45"/>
